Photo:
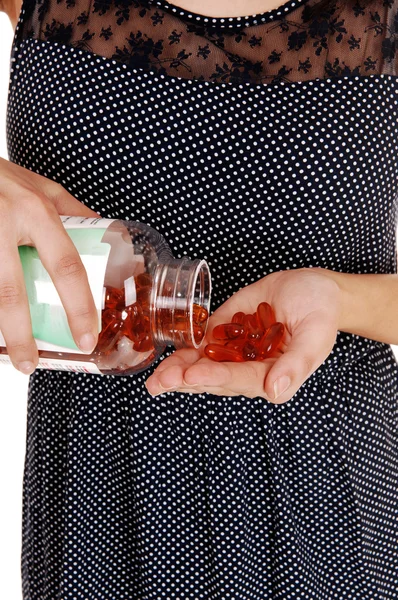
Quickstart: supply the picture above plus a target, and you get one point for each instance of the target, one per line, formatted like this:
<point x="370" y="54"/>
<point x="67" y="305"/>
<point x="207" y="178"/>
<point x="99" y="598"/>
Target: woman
<point x="266" y="144"/>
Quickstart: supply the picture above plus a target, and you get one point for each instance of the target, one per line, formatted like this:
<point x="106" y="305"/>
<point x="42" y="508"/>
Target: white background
<point x="13" y="387"/>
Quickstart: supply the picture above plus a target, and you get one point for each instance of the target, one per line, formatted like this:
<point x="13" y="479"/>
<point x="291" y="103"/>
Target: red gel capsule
<point x="143" y="297"/>
<point x="222" y="353"/>
<point x="133" y="324"/>
<point x="265" y="315"/>
<point x="198" y="333"/>
<point x="228" y="331"/>
<point x="144" y="344"/>
<point x="179" y="315"/>
<point x="271" y="340"/>
<point x="250" y="322"/>
<point x="111" y="325"/>
<point x="250" y="351"/>
<point x="143" y="280"/>
<point x="114" y="298"/>
<point x="251" y="327"/>
<point x="177" y="325"/>
<point x="200" y="314"/>
<point x="237" y="344"/>
<point x="181" y="325"/>
<point x="238" y="317"/>
<point x="147" y="322"/>
<point x="255" y="335"/>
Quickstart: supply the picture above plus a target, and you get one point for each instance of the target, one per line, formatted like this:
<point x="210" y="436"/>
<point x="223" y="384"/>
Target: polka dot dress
<point x="257" y="169"/>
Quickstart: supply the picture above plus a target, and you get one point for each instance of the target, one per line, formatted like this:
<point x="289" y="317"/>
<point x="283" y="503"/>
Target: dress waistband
<point x="350" y="348"/>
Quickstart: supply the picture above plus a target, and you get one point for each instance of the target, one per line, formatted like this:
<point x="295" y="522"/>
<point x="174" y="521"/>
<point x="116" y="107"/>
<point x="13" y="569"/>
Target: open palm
<point x="306" y="301"/>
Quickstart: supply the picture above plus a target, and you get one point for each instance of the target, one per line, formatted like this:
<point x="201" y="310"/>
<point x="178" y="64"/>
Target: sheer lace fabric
<point x="351" y="39"/>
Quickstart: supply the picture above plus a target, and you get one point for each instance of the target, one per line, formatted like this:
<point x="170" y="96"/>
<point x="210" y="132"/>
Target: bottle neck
<point x="180" y="302"/>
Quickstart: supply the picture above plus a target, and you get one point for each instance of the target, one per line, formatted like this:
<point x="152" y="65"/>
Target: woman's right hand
<point x="30" y="205"/>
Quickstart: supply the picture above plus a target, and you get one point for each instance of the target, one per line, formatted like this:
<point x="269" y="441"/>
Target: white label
<point x="49" y="321"/>
<point x="85" y="222"/>
<point x="55" y="364"/>
<point x="75" y="366"/>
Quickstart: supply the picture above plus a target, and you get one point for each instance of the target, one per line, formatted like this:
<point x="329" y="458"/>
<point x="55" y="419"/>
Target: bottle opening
<point x="201" y="303"/>
<point x="180" y="303"/>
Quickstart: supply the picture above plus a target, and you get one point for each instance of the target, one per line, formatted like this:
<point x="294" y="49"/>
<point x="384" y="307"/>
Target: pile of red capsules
<point x="131" y="321"/>
<point x="247" y="337"/>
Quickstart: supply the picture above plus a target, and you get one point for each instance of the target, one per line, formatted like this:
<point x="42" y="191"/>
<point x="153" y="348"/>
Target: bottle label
<point x="86" y="222"/>
<point x="55" y="364"/>
<point x="49" y="321"/>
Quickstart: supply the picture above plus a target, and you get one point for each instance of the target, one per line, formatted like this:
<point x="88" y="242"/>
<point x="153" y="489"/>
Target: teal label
<point x="49" y="321"/>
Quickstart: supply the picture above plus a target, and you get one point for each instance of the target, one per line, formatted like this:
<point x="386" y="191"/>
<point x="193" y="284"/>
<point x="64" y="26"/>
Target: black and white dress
<point x="258" y="143"/>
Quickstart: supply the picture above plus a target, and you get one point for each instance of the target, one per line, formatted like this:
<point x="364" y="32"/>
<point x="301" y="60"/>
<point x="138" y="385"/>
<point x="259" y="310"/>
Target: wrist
<point x="347" y="302"/>
<point x="369" y="304"/>
<point x="344" y="297"/>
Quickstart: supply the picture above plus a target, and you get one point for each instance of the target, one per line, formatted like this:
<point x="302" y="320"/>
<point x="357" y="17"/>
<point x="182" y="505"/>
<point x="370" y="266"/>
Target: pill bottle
<point x="145" y="298"/>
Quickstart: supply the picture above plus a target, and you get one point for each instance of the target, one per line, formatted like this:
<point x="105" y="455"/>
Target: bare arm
<point x="12" y="8"/>
<point x="369" y="304"/>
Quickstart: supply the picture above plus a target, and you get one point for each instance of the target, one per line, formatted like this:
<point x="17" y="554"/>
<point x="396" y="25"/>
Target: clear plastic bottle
<point x="145" y="298"/>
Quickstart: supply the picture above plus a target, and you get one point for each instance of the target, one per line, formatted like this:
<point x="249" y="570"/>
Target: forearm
<point x="12" y="9"/>
<point x="369" y="305"/>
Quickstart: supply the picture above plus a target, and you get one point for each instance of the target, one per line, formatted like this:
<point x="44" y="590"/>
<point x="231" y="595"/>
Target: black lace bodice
<point x="287" y="44"/>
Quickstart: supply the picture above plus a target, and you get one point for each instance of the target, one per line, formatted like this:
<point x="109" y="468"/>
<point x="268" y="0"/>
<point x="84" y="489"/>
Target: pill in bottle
<point x="145" y="298"/>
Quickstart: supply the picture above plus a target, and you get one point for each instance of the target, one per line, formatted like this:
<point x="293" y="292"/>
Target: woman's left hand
<point x="307" y="301"/>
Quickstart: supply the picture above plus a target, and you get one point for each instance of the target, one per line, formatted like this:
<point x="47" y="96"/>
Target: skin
<point x="314" y="304"/>
<point x="228" y="8"/>
<point x="305" y="300"/>
<point x="223" y="8"/>
<point x="12" y="8"/>
<point x="30" y="206"/>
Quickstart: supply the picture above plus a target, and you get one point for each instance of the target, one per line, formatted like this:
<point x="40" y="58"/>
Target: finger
<point x="184" y="356"/>
<point x="172" y="367"/>
<point x="64" y="202"/>
<point x="222" y="378"/>
<point x="310" y="345"/>
<point x="214" y="391"/>
<point x="173" y="379"/>
<point x="63" y="263"/>
<point x="170" y="374"/>
<point x="170" y="379"/>
<point x="15" y="322"/>
<point x="243" y="378"/>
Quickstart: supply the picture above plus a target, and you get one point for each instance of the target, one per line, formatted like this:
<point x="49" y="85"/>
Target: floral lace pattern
<point x="353" y="38"/>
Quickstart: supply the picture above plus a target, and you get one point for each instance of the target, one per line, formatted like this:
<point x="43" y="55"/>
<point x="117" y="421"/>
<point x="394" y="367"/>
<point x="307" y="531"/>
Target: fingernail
<point x="87" y="343"/>
<point x="167" y="389"/>
<point x="26" y="367"/>
<point x="162" y="390"/>
<point x="185" y="384"/>
<point x="151" y="393"/>
<point x="281" y="385"/>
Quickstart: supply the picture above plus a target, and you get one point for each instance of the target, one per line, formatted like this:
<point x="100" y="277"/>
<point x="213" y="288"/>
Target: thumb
<point x="310" y="345"/>
<point x="66" y="204"/>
